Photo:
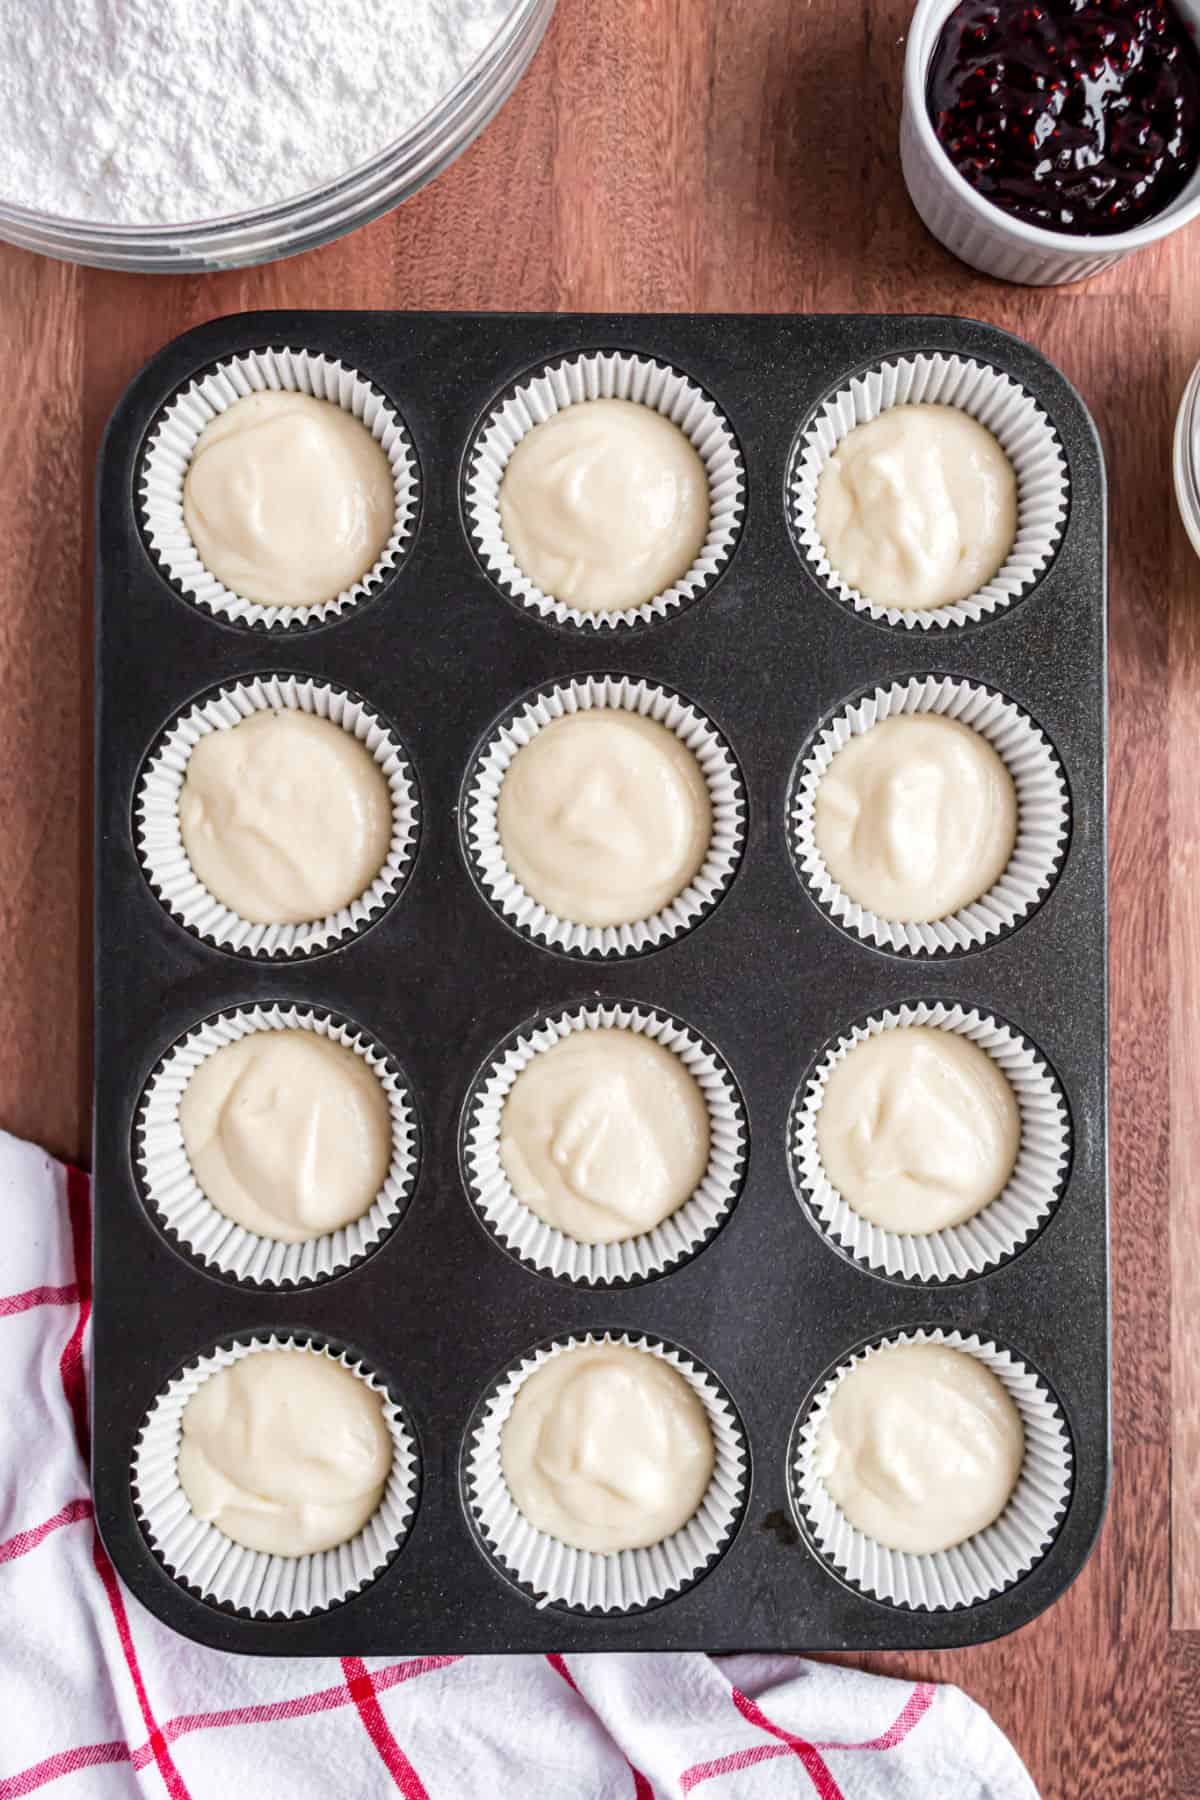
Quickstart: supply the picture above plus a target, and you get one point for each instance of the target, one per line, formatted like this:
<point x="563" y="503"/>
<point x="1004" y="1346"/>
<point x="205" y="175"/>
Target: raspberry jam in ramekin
<point x="1077" y="116"/>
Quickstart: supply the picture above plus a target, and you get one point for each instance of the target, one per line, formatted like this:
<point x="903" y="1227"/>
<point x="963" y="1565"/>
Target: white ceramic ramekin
<point x="1187" y="459"/>
<point x="972" y="228"/>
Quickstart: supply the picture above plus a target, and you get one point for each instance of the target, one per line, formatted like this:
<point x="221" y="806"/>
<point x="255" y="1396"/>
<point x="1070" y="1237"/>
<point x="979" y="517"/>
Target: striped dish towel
<point x="98" y="1701"/>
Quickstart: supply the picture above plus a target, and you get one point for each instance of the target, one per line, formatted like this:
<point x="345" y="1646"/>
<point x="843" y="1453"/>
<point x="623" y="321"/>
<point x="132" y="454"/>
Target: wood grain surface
<point x="710" y="155"/>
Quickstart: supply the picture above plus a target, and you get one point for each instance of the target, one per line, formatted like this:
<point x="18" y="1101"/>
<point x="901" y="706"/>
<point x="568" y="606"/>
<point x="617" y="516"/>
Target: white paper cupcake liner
<point x="1043" y="814"/>
<point x="639" y="1258"/>
<point x="171" y="446"/>
<point x="160" y="843"/>
<point x="615" y="1581"/>
<point x="726" y="793"/>
<point x="608" y="376"/>
<point x="254" y="1581"/>
<point x="189" y="1216"/>
<point x="1001" y="1228"/>
<point x="1011" y="414"/>
<point x="983" y="1565"/>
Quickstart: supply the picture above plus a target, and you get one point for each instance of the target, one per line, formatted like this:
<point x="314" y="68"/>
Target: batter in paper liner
<point x="607" y="1448"/>
<point x="918" y="1129"/>
<point x="285" y="1451"/>
<point x="604" y="1135"/>
<point x="917" y="508"/>
<point x="285" y="818"/>
<point x="288" y="499"/>
<point x="921" y="1447"/>
<point x="287" y="1133"/>
<point x="604" y="817"/>
<point x="916" y="817"/>
<point x="604" y="505"/>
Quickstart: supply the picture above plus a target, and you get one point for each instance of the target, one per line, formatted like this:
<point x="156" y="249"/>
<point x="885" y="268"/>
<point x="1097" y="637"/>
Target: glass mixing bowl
<point x="306" y="220"/>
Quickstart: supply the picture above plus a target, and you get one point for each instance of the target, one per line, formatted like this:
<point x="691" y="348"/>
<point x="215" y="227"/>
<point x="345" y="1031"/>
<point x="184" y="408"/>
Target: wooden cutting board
<point x="721" y="155"/>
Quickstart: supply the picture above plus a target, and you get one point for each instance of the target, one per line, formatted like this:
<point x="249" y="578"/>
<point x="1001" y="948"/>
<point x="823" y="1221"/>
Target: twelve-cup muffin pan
<point x="756" y="658"/>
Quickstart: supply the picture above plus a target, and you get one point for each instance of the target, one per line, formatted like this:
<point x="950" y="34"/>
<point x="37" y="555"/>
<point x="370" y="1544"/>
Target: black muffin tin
<point x="441" y="980"/>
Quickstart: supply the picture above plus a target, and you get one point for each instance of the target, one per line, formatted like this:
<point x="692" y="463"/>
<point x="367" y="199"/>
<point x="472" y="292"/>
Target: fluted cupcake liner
<point x="1020" y="1210"/>
<point x="486" y="854"/>
<point x="610" y="376"/>
<point x="639" y="1258"/>
<point x="1014" y="418"/>
<point x="160" y="843"/>
<point x="185" y="1211"/>
<point x="172" y="444"/>
<point x="981" y="1566"/>
<point x="613" y="1581"/>
<point x="203" y="1559"/>
<point x="1043" y="814"/>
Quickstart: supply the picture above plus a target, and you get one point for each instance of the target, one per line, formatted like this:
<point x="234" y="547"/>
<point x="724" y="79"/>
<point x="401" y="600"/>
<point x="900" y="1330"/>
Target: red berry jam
<point x="1080" y="116"/>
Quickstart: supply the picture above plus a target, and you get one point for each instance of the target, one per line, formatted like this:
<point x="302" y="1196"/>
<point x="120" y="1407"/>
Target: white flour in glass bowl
<point x="149" y="112"/>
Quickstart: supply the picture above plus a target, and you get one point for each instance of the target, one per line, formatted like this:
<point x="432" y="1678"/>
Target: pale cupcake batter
<point x="607" y="1448"/>
<point x="604" y="817"/>
<point x="285" y="818"/>
<point x="285" y="1451"/>
<point x="918" y="1129"/>
<point x="917" y="508"/>
<point x="287" y="1133"/>
<point x="604" y="505"/>
<point x="921" y="1447"/>
<point x="289" y="500"/>
<point x="604" y="1135"/>
<point x="916" y="818"/>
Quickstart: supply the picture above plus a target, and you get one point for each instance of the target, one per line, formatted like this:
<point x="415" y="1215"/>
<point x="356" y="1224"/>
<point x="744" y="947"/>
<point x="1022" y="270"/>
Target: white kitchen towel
<point x="98" y="1701"/>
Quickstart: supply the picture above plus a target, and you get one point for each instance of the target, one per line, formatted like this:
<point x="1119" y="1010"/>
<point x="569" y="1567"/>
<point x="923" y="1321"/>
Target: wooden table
<point x="721" y="155"/>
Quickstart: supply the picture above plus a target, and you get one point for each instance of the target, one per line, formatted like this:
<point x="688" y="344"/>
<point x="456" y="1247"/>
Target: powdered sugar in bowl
<point x="292" y="125"/>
